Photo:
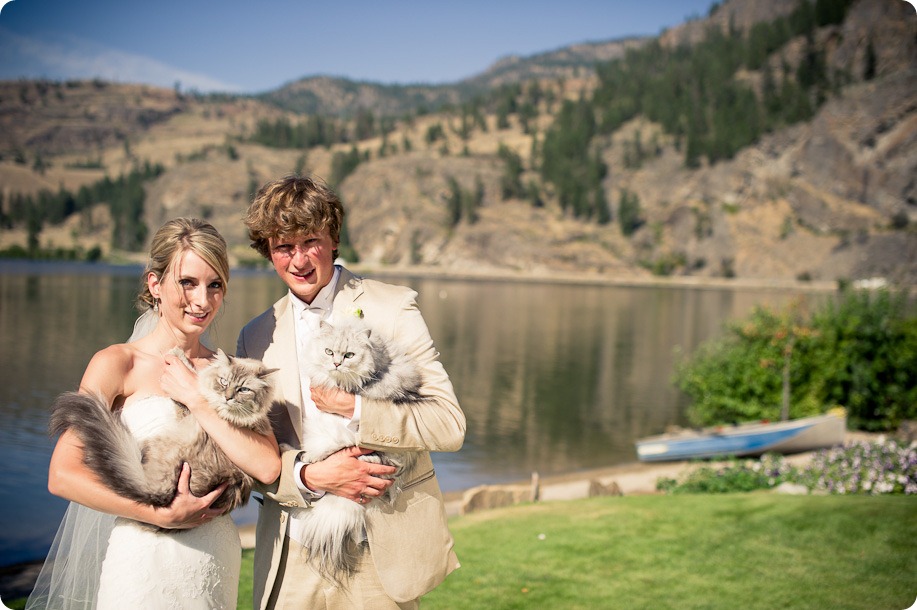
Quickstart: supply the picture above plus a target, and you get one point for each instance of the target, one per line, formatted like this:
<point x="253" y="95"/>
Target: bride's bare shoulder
<point x="120" y="356"/>
<point x="119" y="361"/>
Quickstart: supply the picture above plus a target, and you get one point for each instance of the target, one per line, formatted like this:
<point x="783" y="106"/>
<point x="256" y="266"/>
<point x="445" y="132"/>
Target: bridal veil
<point x="69" y="579"/>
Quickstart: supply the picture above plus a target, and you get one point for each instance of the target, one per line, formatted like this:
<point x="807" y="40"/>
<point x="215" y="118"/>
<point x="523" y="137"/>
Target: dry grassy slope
<point x="55" y="117"/>
<point x="779" y="210"/>
<point x="813" y="200"/>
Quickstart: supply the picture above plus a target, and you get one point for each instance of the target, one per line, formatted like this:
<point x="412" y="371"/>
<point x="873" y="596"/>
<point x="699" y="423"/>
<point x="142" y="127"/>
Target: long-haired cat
<point x="347" y="356"/>
<point x="147" y="471"/>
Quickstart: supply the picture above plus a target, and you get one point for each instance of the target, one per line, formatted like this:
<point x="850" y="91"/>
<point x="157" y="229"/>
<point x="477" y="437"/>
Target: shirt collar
<point x="323" y="300"/>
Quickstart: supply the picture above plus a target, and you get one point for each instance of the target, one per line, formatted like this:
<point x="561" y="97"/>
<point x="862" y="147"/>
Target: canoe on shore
<point x="793" y="436"/>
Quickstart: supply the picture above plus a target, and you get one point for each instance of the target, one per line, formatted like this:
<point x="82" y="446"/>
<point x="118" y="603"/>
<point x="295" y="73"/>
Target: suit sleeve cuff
<point x="354" y="424"/>
<point x="307" y="493"/>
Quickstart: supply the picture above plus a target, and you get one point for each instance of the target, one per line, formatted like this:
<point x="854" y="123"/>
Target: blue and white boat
<point x="793" y="436"/>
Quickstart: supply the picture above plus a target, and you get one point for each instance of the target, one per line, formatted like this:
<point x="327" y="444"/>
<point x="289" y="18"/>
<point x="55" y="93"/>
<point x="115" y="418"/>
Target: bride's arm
<point x="70" y="478"/>
<point x="256" y="454"/>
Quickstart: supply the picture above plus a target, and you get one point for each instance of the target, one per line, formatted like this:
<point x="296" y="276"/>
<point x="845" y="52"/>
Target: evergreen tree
<point x="629" y="214"/>
<point x="510" y="182"/>
<point x="343" y="164"/>
<point x="365" y="125"/>
<point x="869" y="70"/>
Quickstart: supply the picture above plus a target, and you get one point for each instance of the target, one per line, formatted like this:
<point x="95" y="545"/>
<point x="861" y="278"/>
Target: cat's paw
<point x="371" y="458"/>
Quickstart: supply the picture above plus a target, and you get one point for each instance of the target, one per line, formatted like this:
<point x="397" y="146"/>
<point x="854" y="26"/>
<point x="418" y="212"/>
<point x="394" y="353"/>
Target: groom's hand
<point x="342" y="474"/>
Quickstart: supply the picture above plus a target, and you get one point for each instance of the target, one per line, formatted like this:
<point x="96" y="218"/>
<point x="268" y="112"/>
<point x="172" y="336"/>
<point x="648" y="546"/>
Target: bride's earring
<point x="156" y="305"/>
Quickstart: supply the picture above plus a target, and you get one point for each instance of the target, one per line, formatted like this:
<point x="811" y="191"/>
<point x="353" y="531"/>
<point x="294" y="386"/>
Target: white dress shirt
<point x="306" y="320"/>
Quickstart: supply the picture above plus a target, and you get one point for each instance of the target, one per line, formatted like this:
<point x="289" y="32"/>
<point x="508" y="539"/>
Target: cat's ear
<point x="264" y="373"/>
<point x="221" y="355"/>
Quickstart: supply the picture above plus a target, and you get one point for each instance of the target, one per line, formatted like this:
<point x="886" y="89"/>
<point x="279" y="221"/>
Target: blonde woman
<point x="102" y="558"/>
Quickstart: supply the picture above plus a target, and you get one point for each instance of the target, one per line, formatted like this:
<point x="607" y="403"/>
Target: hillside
<point x="827" y="198"/>
<point x="325" y="95"/>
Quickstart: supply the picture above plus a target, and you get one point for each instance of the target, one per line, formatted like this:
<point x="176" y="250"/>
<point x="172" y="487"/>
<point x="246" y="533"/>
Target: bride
<point x="101" y="557"/>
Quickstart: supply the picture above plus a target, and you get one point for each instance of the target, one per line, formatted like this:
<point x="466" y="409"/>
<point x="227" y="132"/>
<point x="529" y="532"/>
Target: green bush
<point x="734" y="476"/>
<point x="859" y="352"/>
<point x="864" y="357"/>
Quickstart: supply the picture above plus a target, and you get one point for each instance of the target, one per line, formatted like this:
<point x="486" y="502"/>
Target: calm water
<point x="552" y="378"/>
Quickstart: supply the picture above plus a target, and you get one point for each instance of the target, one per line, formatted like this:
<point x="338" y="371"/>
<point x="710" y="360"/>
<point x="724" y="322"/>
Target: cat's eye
<point x="348" y="355"/>
<point x="244" y="389"/>
<point x="329" y="352"/>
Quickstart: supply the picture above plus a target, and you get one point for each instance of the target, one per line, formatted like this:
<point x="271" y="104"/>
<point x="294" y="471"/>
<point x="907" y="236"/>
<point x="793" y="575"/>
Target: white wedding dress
<point x="189" y="569"/>
<point x="99" y="562"/>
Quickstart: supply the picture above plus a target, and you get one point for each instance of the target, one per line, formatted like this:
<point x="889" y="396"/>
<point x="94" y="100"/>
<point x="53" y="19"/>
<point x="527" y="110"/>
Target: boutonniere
<point x="357" y="312"/>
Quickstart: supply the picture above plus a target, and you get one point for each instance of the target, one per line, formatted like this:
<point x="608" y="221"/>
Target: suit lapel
<point x="282" y="353"/>
<point x="348" y="290"/>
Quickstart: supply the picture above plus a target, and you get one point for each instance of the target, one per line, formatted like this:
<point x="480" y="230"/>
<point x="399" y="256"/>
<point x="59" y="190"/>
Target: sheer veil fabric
<point x="69" y="579"/>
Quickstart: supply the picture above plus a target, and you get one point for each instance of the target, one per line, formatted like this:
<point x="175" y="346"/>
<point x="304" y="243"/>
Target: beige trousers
<point x="298" y="585"/>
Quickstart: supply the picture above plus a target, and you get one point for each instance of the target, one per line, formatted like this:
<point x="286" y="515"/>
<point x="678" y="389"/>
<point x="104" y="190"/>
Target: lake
<point x="553" y="377"/>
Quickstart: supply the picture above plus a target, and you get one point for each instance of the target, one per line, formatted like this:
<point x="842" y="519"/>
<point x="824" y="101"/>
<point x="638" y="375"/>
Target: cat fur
<point x="147" y="471"/>
<point x="348" y="357"/>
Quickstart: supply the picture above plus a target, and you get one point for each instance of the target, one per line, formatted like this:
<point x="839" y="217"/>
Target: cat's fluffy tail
<point x="332" y="535"/>
<point x="108" y="447"/>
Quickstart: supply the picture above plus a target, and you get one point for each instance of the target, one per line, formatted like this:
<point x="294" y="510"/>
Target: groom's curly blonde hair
<point x="293" y="205"/>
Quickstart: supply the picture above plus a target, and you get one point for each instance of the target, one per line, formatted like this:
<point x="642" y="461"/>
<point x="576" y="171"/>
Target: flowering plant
<point x="882" y="467"/>
<point x="879" y="467"/>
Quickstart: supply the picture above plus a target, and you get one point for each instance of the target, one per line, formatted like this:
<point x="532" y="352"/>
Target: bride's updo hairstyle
<point x="175" y="238"/>
<point x="294" y="205"/>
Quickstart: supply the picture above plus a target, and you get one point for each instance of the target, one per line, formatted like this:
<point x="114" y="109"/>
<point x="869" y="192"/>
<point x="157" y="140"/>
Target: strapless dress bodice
<point x="192" y="569"/>
<point x="149" y="416"/>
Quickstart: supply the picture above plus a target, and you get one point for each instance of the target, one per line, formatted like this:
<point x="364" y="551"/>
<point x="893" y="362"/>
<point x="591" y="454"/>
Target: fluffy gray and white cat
<point x="347" y="356"/>
<point x="147" y="471"/>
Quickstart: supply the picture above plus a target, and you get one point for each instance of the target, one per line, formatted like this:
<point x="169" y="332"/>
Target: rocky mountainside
<point x="831" y="198"/>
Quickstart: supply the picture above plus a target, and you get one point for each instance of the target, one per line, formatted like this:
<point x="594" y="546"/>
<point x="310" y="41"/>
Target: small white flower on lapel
<point x="358" y="313"/>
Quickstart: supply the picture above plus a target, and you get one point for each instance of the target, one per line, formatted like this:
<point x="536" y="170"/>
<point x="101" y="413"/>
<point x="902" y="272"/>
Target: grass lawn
<point x="728" y="551"/>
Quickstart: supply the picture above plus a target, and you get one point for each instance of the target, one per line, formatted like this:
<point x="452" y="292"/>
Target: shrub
<point x="879" y="467"/>
<point x="883" y="467"/>
<point x="734" y="476"/>
<point x="859" y="352"/>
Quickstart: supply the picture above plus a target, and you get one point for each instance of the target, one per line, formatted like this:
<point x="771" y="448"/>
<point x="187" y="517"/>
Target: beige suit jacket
<point x="410" y="543"/>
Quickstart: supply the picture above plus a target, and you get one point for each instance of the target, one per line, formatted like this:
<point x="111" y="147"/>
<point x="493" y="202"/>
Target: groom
<point x="295" y="223"/>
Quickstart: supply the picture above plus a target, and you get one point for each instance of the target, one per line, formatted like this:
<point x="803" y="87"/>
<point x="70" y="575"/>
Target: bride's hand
<point x="178" y="382"/>
<point x="187" y="510"/>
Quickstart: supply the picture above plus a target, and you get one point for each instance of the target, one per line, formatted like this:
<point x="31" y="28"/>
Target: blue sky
<point x="249" y="47"/>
